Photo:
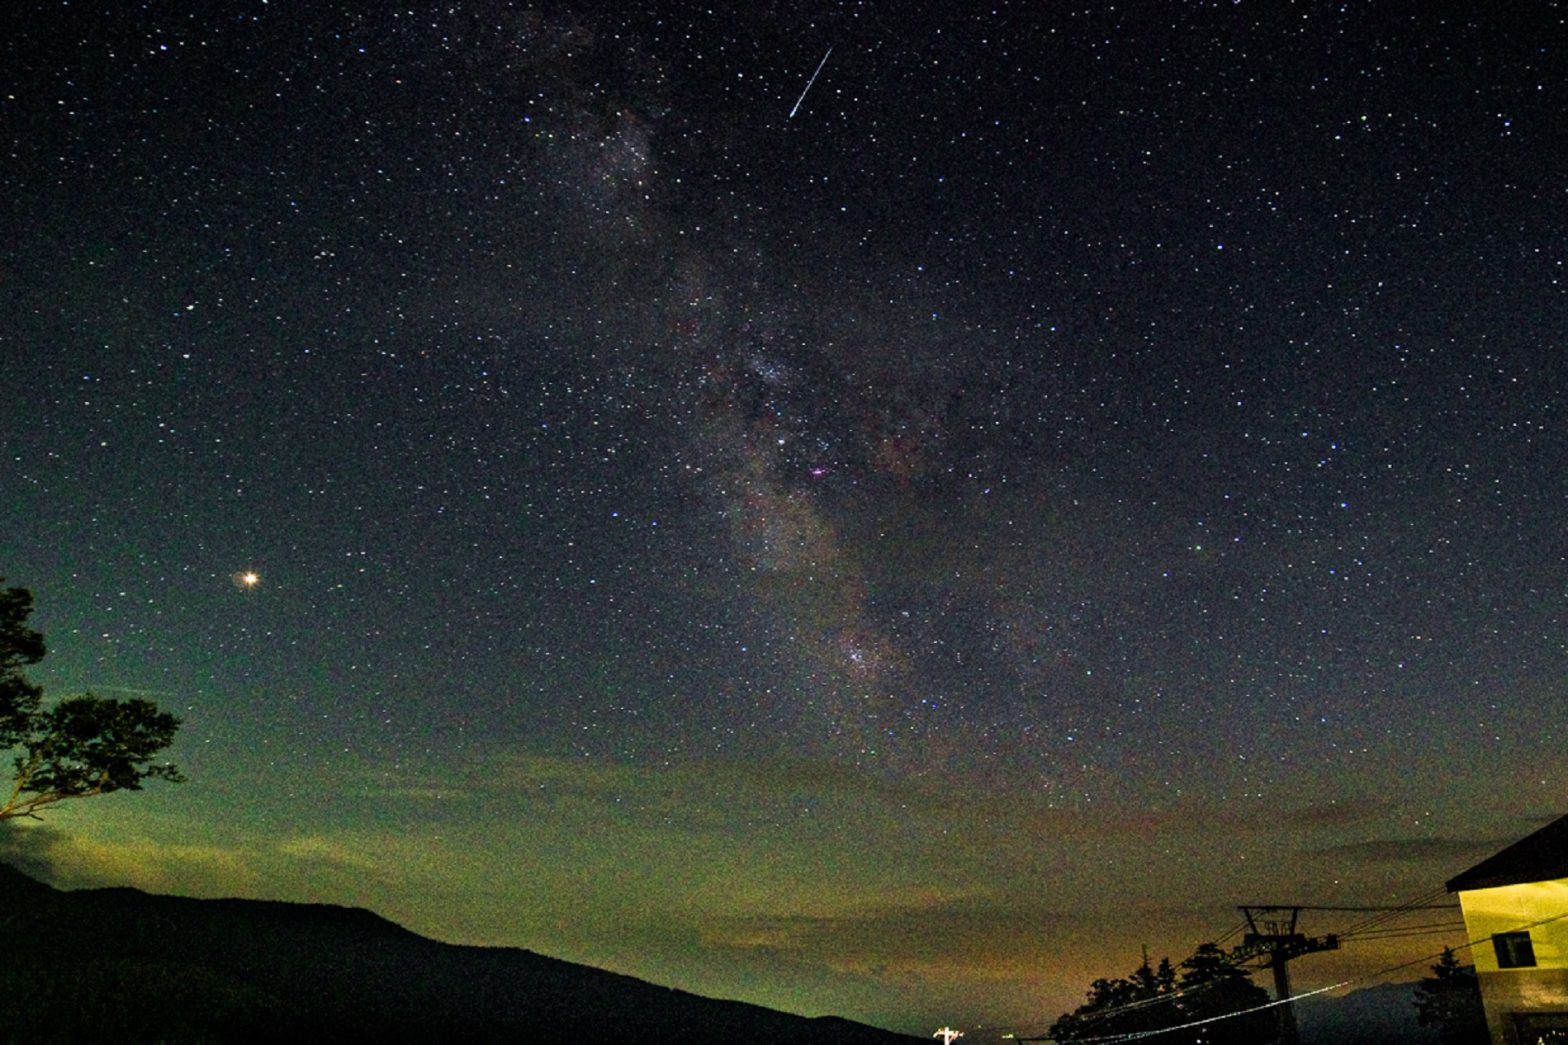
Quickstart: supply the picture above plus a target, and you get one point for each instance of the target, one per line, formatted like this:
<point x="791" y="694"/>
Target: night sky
<point x="1089" y="467"/>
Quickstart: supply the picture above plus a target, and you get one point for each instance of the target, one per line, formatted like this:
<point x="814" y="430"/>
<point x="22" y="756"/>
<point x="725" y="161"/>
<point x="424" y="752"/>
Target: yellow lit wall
<point x="1541" y="908"/>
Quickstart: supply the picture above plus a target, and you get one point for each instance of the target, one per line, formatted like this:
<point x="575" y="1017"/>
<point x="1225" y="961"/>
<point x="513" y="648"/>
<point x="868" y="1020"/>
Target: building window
<point x="1535" y="1028"/>
<point x="1514" y="950"/>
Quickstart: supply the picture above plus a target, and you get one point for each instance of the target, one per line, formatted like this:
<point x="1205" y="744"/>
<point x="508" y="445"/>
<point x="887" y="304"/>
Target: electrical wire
<point x="1421" y="902"/>
<point x="1144" y="1003"/>
<point x="1110" y="1039"/>
<point x="1137" y="1035"/>
<point x="1232" y="931"/>
<point x="1386" y="931"/>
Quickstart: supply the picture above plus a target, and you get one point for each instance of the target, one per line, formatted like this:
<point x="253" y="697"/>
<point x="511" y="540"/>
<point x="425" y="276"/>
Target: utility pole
<point x="1271" y="935"/>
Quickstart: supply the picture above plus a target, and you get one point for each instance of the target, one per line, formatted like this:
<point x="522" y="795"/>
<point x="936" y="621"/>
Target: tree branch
<point x="24" y="773"/>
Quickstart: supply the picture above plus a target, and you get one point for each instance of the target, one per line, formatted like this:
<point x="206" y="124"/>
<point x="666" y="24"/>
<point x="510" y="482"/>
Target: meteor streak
<point x="809" y="83"/>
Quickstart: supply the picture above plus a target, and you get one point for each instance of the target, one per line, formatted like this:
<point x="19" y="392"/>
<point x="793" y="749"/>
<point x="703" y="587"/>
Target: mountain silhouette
<point x="127" y="966"/>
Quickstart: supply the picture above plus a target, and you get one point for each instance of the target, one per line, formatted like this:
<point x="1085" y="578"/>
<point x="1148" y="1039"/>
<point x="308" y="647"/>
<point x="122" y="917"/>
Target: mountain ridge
<point x="180" y="969"/>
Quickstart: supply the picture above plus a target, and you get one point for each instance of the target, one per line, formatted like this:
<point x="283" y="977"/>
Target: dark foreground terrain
<point x="125" y="966"/>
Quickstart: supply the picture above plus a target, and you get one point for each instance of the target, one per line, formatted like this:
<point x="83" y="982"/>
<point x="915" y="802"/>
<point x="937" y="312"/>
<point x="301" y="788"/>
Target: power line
<point x="1369" y="931"/>
<point x="1420" y="903"/>
<point x="1138" y="1035"/>
<point x="1468" y="944"/>
<point x="1416" y="905"/>
<point x="1144" y="1003"/>
<point x="1386" y="932"/>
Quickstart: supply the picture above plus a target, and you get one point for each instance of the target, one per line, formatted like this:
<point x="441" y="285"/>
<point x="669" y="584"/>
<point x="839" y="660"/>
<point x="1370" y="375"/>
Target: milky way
<point x="866" y="558"/>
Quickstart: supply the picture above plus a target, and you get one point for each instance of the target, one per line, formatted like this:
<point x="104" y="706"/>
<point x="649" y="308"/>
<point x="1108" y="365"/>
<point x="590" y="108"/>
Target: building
<point x="1516" y="916"/>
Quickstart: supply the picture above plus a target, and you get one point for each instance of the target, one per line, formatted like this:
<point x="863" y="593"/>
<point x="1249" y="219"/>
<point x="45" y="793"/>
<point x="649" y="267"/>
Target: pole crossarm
<point x="1252" y="948"/>
<point x="1271" y="933"/>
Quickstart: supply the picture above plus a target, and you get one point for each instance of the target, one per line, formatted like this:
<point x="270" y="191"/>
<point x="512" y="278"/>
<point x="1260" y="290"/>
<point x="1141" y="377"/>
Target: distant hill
<point x="1381" y="1015"/>
<point x="130" y="967"/>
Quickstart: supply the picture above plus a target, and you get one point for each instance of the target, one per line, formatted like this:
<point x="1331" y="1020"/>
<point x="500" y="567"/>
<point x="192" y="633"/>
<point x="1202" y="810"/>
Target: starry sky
<point x="891" y="549"/>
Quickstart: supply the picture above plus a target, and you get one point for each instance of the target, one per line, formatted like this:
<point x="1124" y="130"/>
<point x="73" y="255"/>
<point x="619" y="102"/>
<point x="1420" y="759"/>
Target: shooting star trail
<point x="809" y="82"/>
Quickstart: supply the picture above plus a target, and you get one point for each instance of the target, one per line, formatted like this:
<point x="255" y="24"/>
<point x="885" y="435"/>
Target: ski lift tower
<point x="1272" y="936"/>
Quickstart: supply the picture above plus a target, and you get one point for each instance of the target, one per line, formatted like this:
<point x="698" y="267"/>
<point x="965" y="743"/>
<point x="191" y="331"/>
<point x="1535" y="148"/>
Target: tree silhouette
<point x="1215" y="986"/>
<point x="83" y="745"/>
<point x="1136" y="1002"/>
<point x="1154" y="999"/>
<point x="1450" y="1000"/>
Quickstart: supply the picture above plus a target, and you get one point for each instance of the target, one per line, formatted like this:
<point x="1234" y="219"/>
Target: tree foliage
<point x="1450" y="1000"/>
<point x="1157" y="998"/>
<point x="79" y="747"/>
